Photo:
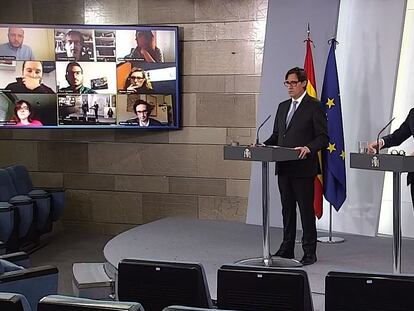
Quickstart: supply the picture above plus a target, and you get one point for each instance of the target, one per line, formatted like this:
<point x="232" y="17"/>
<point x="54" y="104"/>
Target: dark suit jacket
<point x="152" y="122"/>
<point x="308" y="127"/>
<point x="401" y="134"/>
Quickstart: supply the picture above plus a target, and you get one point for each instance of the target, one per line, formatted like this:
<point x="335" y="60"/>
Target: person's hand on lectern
<point x="303" y="152"/>
<point x="373" y="146"/>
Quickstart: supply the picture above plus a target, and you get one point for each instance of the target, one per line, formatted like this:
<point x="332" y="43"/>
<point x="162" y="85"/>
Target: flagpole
<point x="330" y="239"/>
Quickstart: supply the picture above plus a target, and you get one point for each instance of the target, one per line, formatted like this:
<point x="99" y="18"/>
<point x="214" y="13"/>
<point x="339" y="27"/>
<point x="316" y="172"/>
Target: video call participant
<point x="300" y="123"/>
<point x="75" y="48"/>
<point x="31" y="80"/>
<point x="15" y="46"/>
<point x="74" y="76"/>
<point x="23" y="114"/>
<point x="143" y="109"/>
<point x="137" y="81"/>
<point x="146" y="48"/>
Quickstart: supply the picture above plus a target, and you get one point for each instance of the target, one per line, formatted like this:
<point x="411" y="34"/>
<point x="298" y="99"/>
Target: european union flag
<point x="334" y="156"/>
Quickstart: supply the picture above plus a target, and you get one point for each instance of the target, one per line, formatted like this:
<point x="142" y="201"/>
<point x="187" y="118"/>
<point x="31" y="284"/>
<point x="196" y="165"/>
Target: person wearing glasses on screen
<point x="405" y="131"/>
<point x="31" y="80"/>
<point x="137" y="81"/>
<point x="146" y="49"/>
<point x="23" y="114"/>
<point x="74" y="76"/>
<point x="300" y="123"/>
<point x="74" y="46"/>
<point x="143" y="109"/>
<point x="15" y="46"/>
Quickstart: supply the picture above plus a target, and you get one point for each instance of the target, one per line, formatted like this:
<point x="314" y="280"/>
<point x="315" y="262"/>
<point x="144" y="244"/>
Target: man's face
<point x="33" y="69"/>
<point x="74" y="76"/>
<point x="142" y="112"/>
<point x="16" y="36"/>
<point x="73" y="46"/>
<point x="295" y="88"/>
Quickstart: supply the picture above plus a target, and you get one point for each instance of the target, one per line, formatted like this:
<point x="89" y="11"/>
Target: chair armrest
<point x="28" y="273"/>
<point x="18" y="258"/>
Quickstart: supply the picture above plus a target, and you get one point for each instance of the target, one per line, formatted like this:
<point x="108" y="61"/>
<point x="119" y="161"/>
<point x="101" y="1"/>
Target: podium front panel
<point x="382" y="162"/>
<point x="260" y="153"/>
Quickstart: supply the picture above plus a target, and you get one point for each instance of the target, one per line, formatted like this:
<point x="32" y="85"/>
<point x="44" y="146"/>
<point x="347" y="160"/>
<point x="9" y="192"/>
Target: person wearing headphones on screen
<point x="143" y="110"/>
<point x="75" y="48"/>
<point x="31" y="80"/>
<point x="74" y="76"/>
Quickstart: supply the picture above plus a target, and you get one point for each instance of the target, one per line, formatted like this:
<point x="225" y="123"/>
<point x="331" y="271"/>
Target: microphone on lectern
<point x="380" y="132"/>
<point x="258" y="129"/>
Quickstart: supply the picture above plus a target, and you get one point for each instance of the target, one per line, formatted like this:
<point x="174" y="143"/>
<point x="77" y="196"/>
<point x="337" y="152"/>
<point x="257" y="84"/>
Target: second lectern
<point x="264" y="154"/>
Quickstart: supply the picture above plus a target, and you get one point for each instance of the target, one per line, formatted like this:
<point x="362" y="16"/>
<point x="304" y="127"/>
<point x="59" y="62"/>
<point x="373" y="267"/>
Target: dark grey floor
<point x="66" y="248"/>
<point x="214" y="243"/>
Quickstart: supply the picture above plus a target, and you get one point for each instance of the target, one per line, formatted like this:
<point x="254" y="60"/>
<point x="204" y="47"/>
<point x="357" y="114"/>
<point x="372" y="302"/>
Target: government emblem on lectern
<point x="247" y="154"/>
<point x="375" y="162"/>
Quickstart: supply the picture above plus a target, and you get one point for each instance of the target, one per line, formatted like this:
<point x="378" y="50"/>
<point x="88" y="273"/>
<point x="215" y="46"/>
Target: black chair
<point x="6" y="224"/>
<point x="355" y="291"/>
<point x="250" y="288"/>
<point x="50" y="201"/>
<point x="66" y="303"/>
<point x="13" y="302"/>
<point x="158" y="284"/>
<point x="182" y="308"/>
<point x="23" y="209"/>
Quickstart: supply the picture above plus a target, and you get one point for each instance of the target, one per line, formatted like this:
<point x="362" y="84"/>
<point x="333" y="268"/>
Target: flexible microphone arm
<point x="378" y="143"/>
<point x="258" y="129"/>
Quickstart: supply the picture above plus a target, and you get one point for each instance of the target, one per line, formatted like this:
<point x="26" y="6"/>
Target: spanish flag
<point x="311" y="90"/>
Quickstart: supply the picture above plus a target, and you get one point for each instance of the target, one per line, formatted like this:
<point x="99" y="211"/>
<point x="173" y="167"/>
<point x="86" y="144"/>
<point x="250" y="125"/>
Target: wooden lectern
<point x="396" y="164"/>
<point x="264" y="154"/>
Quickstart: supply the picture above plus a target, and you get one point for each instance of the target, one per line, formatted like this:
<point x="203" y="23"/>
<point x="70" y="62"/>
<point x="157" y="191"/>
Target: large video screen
<point x="89" y="76"/>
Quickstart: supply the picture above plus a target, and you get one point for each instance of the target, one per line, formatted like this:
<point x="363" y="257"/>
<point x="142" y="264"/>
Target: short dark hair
<point x="149" y="107"/>
<point x="24" y="63"/>
<point x="299" y="72"/>
<point x="75" y="32"/>
<point x="73" y="64"/>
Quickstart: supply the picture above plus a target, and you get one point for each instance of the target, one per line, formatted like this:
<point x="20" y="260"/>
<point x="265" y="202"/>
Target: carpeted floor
<point x="214" y="243"/>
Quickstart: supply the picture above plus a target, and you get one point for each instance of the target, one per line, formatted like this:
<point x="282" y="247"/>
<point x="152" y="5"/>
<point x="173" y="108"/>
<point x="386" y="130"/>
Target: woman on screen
<point x="146" y="49"/>
<point x="23" y="113"/>
<point x="137" y="81"/>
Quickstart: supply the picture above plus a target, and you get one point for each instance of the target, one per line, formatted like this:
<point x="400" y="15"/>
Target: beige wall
<point x="116" y="179"/>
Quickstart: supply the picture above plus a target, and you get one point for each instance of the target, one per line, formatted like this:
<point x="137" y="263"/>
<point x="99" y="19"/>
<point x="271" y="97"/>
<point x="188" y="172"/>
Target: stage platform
<point x="214" y="243"/>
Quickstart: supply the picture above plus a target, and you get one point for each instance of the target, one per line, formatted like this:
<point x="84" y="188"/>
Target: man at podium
<point x="405" y="131"/>
<point x="300" y="123"/>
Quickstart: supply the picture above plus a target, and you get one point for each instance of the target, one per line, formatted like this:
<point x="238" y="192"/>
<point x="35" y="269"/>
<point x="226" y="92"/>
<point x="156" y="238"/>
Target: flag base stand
<point x="331" y="240"/>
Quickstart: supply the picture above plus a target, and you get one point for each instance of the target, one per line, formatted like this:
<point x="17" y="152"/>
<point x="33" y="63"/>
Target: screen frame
<point x="177" y="116"/>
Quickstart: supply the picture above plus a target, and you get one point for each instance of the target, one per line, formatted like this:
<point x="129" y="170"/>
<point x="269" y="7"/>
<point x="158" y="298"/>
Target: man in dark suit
<point x="301" y="124"/>
<point x="400" y="135"/>
<point x="143" y="110"/>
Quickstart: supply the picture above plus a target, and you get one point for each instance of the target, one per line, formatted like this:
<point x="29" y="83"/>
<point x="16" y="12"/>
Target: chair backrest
<point x="182" y="308"/>
<point x="13" y="302"/>
<point x="7" y="188"/>
<point x="158" y="284"/>
<point x="34" y="283"/>
<point x="355" y="291"/>
<point x="249" y="288"/>
<point x="66" y="303"/>
<point x="21" y="178"/>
